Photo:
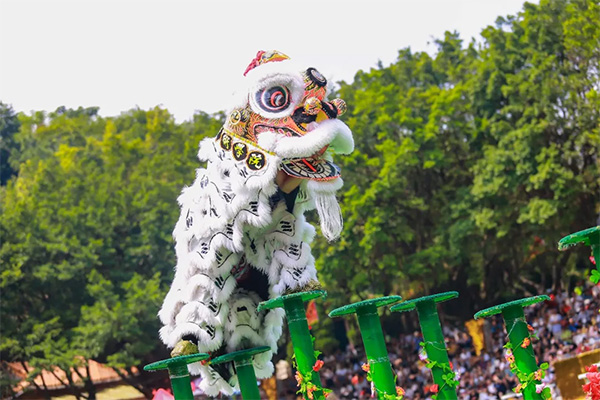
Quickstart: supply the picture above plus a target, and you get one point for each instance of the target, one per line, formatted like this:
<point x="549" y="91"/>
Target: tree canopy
<point x="471" y="163"/>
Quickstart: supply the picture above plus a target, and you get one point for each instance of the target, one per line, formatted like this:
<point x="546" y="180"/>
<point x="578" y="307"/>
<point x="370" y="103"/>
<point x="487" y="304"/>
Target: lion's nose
<point x="324" y="109"/>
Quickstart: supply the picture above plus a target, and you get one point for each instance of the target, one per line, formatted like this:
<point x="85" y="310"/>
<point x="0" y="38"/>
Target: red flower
<point x="434" y="388"/>
<point x="451" y="366"/>
<point x="592" y="391"/>
<point x="530" y="328"/>
<point x="318" y="365"/>
<point x="399" y="391"/>
<point x="526" y="343"/>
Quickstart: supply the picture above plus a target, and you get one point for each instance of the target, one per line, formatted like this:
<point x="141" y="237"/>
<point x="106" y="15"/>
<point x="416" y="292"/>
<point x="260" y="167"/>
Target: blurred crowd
<point x="566" y="325"/>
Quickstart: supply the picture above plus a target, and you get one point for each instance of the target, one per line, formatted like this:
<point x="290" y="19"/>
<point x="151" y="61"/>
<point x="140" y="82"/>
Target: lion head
<point x="283" y="117"/>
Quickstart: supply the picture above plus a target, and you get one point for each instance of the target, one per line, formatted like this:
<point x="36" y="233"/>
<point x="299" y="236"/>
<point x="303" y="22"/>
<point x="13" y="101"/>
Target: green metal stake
<point x="589" y="237"/>
<point x="518" y="332"/>
<point x="435" y="345"/>
<point x="293" y="304"/>
<point x="369" y="325"/>
<point x="242" y="360"/>
<point x="178" y="373"/>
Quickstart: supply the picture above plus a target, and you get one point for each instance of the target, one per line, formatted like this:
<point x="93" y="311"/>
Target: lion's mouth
<point x="314" y="167"/>
<point x="310" y="167"/>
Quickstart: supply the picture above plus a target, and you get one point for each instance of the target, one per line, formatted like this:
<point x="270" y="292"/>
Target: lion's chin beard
<point x="330" y="215"/>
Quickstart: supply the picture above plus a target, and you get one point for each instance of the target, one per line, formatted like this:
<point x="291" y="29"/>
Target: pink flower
<point x="318" y="365"/>
<point x="365" y="367"/>
<point x="592" y="368"/>
<point x="526" y="343"/>
<point x="457" y="376"/>
<point x="594" y="377"/>
<point x="422" y="355"/>
<point x="538" y="375"/>
<point x="540" y="388"/>
<point x="434" y="388"/>
<point x="399" y="391"/>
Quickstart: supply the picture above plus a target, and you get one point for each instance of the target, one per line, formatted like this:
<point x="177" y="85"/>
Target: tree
<point x="87" y="249"/>
<point x="9" y="125"/>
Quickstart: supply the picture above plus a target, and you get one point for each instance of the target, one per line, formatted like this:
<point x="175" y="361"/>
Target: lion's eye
<point x="273" y="99"/>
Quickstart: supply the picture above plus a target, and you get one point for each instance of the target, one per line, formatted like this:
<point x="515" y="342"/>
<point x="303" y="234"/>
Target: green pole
<point x="518" y="332"/>
<point x="242" y="360"/>
<point x="369" y="325"/>
<point x="433" y="337"/>
<point x="293" y="304"/>
<point x="435" y="345"/>
<point x="301" y="341"/>
<point x="247" y="380"/>
<point x="514" y="320"/>
<point x="377" y="355"/>
<point x="178" y="373"/>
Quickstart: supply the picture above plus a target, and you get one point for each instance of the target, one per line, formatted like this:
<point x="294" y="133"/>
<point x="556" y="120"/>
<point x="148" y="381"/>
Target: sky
<point x="187" y="55"/>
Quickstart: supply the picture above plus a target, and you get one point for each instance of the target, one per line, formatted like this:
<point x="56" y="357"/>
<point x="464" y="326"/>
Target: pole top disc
<point x="410" y="305"/>
<point x="488" y="312"/>
<point x="240" y="355"/>
<point x="354" y="307"/>
<point x="590" y="236"/>
<point x="278" y="301"/>
<point x="174" y="361"/>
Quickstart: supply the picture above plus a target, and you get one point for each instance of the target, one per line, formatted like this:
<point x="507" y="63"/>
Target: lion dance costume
<point x="242" y="236"/>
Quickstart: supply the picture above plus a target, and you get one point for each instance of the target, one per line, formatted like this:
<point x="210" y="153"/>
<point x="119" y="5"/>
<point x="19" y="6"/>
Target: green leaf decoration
<point x="595" y="276"/>
<point x="546" y="393"/>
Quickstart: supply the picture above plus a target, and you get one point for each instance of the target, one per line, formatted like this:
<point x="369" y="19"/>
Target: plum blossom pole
<point x="302" y="342"/>
<point x="519" y="349"/>
<point x="178" y="373"/>
<point x="434" y="343"/>
<point x="369" y="325"/>
<point x="242" y="360"/>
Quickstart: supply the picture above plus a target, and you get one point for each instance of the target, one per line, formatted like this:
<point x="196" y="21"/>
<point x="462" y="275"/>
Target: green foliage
<point x="87" y="252"/>
<point x="9" y="125"/>
<point x="594" y="276"/>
